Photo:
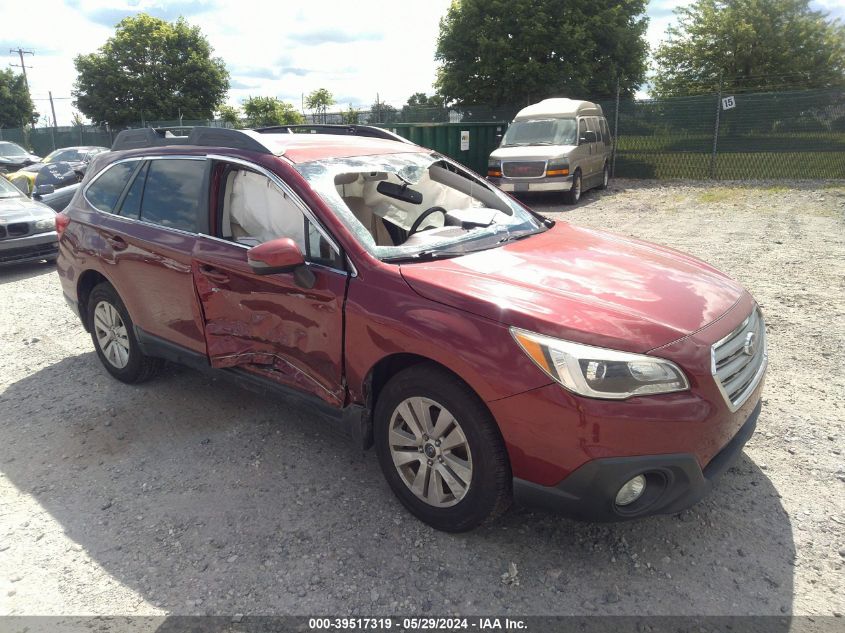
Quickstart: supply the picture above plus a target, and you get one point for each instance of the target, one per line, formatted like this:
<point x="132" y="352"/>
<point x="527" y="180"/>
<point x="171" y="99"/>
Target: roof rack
<point x="329" y="128"/>
<point x="201" y="136"/>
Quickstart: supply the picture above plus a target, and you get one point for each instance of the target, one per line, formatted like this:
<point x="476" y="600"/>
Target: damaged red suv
<point x="486" y="351"/>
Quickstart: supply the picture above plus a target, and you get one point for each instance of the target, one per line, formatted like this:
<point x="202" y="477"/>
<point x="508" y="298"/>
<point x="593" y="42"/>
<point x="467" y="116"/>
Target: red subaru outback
<point x="485" y="350"/>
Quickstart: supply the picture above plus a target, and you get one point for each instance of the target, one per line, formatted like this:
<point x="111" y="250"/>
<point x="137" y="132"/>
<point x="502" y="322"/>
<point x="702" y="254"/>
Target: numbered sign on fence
<point x="728" y="103"/>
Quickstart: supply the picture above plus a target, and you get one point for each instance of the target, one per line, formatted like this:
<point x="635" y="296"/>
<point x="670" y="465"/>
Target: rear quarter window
<point x="173" y="193"/>
<point x="105" y="191"/>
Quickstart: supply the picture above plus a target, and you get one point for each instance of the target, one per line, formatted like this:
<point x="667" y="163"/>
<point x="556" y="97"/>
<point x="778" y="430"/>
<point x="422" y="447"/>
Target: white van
<point x="555" y="145"/>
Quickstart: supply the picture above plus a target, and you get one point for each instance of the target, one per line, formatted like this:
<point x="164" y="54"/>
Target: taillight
<point x="62" y="220"/>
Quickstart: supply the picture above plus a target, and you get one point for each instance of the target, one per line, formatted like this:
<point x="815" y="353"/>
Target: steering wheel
<point x="418" y="222"/>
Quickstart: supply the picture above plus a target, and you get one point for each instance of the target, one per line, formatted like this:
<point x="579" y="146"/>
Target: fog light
<point x="631" y="491"/>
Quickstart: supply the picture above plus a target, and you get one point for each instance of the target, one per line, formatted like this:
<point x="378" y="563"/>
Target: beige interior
<point x="254" y="207"/>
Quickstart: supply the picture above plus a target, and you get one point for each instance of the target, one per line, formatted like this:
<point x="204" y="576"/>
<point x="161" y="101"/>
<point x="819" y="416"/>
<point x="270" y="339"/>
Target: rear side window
<point x="131" y="206"/>
<point x="605" y="131"/>
<point x="173" y="193"/>
<point x="104" y="192"/>
<point x="582" y="127"/>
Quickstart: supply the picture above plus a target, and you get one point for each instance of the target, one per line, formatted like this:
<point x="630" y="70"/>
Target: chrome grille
<point x="739" y="360"/>
<point x="524" y="168"/>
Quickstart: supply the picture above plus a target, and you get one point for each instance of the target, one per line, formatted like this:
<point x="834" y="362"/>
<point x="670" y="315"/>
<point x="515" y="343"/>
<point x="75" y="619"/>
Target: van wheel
<point x="440" y="450"/>
<point x="574" y="194"/>
<point x="605" y="177"/>
<point x="114" y="338"/>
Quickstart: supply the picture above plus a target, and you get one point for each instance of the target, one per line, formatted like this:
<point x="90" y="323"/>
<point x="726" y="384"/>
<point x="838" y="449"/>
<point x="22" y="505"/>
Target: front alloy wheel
<point x="430" y="452"/>
<point x="440" y="449"/>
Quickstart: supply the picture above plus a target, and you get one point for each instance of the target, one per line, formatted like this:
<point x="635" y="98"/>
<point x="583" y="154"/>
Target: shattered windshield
<point x="414" y="206"/>
<point x="540" y="132"/>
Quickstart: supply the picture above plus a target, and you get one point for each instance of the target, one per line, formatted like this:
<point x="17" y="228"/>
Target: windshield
<point x="416" y="206"/>
<point x="11" y="149"/>
<point x="64" y="155"/>
<point x="540" y="132"/>
<point x="8" y="190"/>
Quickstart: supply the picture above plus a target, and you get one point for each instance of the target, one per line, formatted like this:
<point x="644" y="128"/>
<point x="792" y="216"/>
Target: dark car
<point x="485" y="350"/>
<point x="59" y="169"/>
<point x="13" y="157"/>
<point x="27" y="227"/>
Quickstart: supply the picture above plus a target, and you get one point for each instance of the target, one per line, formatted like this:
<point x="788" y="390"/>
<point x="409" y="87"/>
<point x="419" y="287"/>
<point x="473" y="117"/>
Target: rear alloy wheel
<point x="440" y="449"/>
<point x="574" y="194"/>
<point x="114" y="338"/>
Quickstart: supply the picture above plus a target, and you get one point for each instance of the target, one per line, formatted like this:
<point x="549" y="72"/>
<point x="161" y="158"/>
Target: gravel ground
<point x="188" y="495"/>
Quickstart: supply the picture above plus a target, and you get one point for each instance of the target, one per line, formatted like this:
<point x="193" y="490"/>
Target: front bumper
<point x="31" y="248"/>
<point x="674" y="482"/>
<point x="533" y="184"/>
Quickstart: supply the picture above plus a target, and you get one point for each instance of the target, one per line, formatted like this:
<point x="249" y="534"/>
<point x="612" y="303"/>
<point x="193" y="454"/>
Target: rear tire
<point x="605" y="177"/>
<point x="430" y="481"/>
<point x="114" y="338"/>
<point x="574" y="194"/>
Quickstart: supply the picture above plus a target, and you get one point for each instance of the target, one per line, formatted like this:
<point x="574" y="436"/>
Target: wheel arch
<point x="388" y="366"/>
<point x="88" y="280"/>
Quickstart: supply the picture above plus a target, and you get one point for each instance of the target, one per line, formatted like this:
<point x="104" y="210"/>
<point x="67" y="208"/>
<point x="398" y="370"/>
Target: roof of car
<point x="558" y="107"/>
<point x="296" y="147"/>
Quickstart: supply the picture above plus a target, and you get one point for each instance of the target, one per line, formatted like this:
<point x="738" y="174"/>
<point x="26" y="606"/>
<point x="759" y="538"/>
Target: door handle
<point x="117" y="242"/>
<point x="215" y="275"/>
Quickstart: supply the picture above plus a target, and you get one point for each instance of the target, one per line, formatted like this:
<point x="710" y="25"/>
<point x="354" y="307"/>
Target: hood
<point x="23" y="210"/>
<point x="538" y="152"/>
<point x="583" y="285"/>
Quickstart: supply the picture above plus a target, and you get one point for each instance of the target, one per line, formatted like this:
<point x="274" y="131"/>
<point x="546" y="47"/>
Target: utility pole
<point x="21" y="52"/>
<point x="52" y="107"/>
<point x="378" y="110"/>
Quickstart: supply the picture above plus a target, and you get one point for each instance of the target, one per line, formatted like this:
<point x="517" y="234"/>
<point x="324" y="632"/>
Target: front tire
<point x="440" y="449"/>
<point x="114" y="338"/>
<point x="574" y="194"/>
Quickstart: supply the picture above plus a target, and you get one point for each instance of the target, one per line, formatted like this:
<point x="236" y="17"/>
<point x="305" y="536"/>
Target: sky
<point x="358" y="49"/>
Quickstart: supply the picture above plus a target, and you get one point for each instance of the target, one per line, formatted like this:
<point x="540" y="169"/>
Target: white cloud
<point x="354" y="49"/>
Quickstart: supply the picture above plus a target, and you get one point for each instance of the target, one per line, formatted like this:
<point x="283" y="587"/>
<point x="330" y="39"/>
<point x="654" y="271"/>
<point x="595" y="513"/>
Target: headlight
<point x="600" y="373"/>
<point x="557" y="167"/>
<point x="45" y="224"/>
<point x="494" y="168"/>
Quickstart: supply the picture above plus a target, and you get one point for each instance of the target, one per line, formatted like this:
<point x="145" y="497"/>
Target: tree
<point x="265" y="111"/>
<point x="383" y="113"/>
<point x="229" y="114"/>
<point x="420" y="99"/>
<point x="351" y="115"/>
<point x="16" y="109"/>
<point x="150" y="69"/>
<point x="77" y="120"/>
<point x="319" y="101"/>
<point x="515" y="52"/>
<point x="760" y="44"/>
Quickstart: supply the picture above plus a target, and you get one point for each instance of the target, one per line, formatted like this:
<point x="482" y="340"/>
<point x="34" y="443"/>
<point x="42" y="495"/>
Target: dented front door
<point x="269" y="325"/>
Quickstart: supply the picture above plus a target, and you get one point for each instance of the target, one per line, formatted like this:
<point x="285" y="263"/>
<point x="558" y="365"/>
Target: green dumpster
<point x="468" y="143"/>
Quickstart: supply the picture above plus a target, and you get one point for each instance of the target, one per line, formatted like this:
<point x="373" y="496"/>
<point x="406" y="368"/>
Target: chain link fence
<point x="775" y="135"/>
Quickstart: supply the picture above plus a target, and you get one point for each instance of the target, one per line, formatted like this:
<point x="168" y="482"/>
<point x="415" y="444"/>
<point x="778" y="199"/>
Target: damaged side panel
<point x="268" y="324"/>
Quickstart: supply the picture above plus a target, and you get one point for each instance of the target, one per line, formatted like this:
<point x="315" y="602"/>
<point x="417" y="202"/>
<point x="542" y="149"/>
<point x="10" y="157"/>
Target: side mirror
<point x="281" y="255"/>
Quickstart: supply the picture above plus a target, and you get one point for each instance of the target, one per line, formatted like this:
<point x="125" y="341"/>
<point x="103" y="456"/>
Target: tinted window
<point x="173" y="193"/>
<point x="104" y="193"/>
<point x="131" y="207"/>
<point x="582" y="127"/>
